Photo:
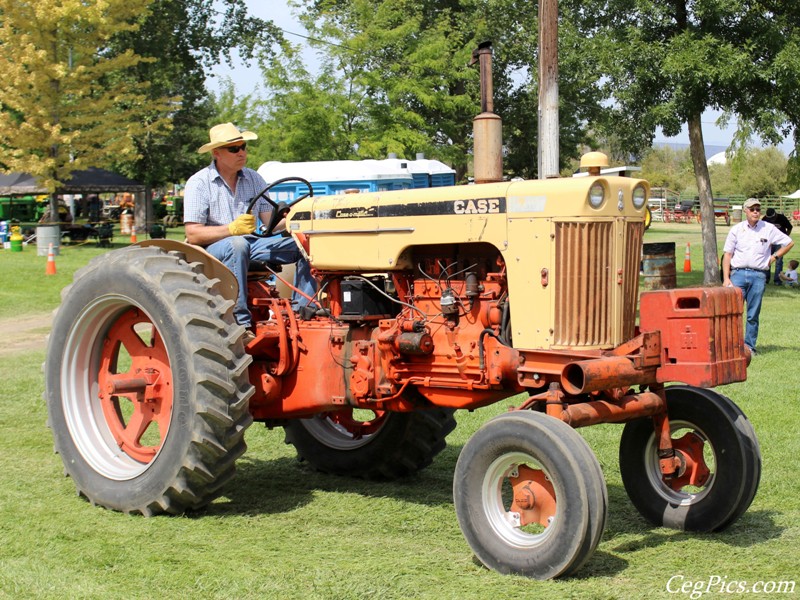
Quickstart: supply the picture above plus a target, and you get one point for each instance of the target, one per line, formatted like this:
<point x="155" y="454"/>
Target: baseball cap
<point x="750" y="202"/>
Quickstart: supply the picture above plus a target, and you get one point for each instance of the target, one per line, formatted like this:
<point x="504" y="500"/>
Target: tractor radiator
<point x="596" y="283"/>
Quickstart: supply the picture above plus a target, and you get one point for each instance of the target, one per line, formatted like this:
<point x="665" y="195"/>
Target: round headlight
<point x="597" y="195"/>
<point x="639" y="197"/>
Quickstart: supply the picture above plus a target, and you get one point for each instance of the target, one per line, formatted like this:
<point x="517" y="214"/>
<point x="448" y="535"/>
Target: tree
<point x="757" y="172"/>
<point x="722" y="180"/>
<point x="665" y="63"/>
<point x="310" y="118"/>
<point x="248" y="112"/>
<point x="184" y="40"/>
<point x="394" y="78"/>
<point x="760" y="172"/>
<point x="68" y="106"/>
<point x="668" y="168"/>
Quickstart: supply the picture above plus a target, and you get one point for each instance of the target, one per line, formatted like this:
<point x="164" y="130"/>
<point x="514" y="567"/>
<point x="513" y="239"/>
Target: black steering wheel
<point x="279" y="209"/>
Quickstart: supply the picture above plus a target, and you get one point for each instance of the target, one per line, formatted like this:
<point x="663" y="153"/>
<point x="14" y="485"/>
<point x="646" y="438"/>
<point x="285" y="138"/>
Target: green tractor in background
<point x="173" y="211"/>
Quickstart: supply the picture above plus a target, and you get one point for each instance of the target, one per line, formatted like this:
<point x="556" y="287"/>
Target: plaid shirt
<point x="208" y="200"/>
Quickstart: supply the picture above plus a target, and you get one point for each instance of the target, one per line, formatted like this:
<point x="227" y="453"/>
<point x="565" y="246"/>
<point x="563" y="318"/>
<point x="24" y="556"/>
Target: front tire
<point x="530" y="497"/>
<point x="721" y="463"/>
<point x="146" y="383"/>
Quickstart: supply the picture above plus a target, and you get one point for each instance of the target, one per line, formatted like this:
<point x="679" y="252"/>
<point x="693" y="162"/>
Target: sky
<point x="278" y="11"/>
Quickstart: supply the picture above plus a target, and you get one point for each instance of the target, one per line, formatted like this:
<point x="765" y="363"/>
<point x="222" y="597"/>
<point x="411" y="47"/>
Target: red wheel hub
<point x="137" y="402"/>
<point x="693" y="470"/>
<point x="534" y="496"/>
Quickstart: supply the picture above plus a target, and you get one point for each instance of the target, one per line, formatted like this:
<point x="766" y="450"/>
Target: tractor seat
<point x="259" y="269"/>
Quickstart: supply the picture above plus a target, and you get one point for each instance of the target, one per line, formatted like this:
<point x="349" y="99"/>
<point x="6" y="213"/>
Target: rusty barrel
<point x="658" y="266"/>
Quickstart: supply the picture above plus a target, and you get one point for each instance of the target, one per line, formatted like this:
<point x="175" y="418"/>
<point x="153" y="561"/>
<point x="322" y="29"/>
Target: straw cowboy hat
<point x="224" y="134"/>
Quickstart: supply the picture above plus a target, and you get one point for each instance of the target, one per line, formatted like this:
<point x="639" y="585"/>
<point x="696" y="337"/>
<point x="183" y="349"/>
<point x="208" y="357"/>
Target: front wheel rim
<point x="503" y="508"/>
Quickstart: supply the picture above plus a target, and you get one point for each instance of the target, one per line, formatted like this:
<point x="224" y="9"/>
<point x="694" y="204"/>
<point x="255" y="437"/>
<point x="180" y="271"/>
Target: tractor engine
<point x="381" y="337"/>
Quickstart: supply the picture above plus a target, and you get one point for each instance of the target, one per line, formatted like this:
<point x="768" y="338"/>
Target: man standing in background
<point x="747" y="259"/>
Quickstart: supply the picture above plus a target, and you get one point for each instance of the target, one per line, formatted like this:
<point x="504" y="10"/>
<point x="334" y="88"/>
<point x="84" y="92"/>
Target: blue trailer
<point x="351" y="176"/>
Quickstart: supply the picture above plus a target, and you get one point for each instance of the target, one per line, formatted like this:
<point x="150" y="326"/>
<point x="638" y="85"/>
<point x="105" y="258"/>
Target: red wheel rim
<point x="136" y="401"/>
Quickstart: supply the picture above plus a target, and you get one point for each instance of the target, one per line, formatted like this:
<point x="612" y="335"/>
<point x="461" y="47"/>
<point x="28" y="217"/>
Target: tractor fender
<point x="212" y="267"/>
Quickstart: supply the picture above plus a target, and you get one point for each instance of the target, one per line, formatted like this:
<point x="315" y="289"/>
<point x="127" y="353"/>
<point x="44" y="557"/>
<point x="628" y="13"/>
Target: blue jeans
<point x="752" y="284"/>
<point x="236" y="252"/>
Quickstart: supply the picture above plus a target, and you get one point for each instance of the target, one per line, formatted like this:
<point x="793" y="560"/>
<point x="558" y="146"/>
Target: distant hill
<point x="711" y="150"/>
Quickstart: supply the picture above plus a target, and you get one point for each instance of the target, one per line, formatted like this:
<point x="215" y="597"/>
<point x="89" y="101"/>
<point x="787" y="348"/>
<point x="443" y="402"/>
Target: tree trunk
<point x="143" y="216"/>
<point x="54" y="216"/>
<point x="708" y="227"/>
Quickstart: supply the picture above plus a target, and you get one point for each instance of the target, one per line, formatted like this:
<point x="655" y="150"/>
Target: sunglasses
<point x="754" y="209"/>
<point x="235" y="149"/>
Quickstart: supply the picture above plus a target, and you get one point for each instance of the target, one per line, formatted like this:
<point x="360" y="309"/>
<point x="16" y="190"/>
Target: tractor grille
<point x="634" y="232"/>
<point x="587" y="282"/>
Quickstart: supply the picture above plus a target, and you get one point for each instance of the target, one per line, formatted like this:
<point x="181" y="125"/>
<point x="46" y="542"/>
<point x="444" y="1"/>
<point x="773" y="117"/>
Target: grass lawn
<point x="282" y="531"/>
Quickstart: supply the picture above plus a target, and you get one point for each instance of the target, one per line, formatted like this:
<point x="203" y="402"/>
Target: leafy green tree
<point x="185" y="40"/>
<point x="247" y="112"/>
<point x="760" y="172"/>
<point x="393" y="78"/>
<point x="70" y="105"/>
<point x="310" y="118"/>
<point x="665" y="63"/>
<point x="668" y="168"/>
<point x="722" y="181"/>
<point x="755" y="172"/>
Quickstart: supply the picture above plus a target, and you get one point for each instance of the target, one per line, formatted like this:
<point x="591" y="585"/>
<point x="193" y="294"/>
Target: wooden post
<point x="548" y="89"/>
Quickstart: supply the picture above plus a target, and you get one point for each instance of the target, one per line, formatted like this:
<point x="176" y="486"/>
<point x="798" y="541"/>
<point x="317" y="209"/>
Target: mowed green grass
<point x="282" y="531"/>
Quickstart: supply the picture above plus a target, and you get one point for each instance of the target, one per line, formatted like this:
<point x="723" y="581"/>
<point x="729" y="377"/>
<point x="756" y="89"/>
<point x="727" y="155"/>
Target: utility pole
<point x="548" y="88"/>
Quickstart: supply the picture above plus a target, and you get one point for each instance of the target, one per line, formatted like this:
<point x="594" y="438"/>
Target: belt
<point x="765" y="271"/>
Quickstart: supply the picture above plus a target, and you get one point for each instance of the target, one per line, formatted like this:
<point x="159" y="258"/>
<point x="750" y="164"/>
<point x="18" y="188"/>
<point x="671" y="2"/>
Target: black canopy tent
<point x="99" y="181"/>
<point x="19" y="184"/>
<point x="90" y="181"/>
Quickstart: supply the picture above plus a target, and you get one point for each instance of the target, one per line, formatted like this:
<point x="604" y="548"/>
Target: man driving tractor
<point x="215" y="204"/>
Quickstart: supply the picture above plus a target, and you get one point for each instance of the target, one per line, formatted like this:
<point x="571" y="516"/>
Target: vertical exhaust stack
<point x="487" y="127"/>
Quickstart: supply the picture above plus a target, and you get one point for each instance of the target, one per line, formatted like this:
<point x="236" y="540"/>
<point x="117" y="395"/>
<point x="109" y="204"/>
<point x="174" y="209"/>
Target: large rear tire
<point x="721" y="462"/>
<point x="530" y="496"/>
<point x="146" y="383"/>
<point x="371" y="445"/>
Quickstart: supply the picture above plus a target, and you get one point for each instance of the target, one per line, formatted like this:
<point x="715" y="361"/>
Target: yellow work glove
<point x="242" y="225"/>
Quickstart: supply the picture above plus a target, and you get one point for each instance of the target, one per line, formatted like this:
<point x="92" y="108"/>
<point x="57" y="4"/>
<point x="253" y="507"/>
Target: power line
<point x="313" y="39"/>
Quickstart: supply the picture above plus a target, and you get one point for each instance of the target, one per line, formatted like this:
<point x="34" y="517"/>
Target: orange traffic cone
<point x="687" y="260"/>
<point x="133" y="234"/>
<point x="51" y="261"/>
